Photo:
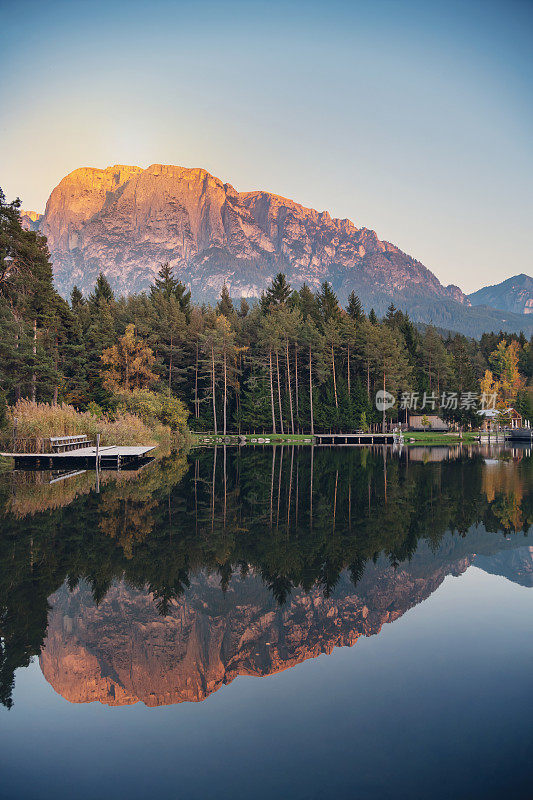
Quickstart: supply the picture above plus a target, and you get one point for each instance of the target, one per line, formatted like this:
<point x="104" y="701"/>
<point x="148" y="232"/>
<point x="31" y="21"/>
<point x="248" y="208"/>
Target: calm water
<point x="326" y="623"/>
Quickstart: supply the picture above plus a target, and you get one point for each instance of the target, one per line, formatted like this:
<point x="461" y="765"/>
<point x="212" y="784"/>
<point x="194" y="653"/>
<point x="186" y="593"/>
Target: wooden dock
<point x="110" y="457"/>
<point x="344" y="439"/>
<point x="319" y="439"/>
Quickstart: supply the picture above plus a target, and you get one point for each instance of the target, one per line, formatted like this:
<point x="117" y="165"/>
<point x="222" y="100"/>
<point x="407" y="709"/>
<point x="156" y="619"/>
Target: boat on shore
<point x="519" y="434"/>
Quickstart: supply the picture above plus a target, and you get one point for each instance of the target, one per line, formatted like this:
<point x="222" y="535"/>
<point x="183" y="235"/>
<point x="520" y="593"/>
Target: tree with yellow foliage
<point x="489" y="387"/>
<point x="128" y="364"/>
<point x="504" y="361"/>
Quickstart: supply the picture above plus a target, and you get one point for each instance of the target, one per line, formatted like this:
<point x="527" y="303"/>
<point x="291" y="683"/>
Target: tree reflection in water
<point x="303" y="522"/>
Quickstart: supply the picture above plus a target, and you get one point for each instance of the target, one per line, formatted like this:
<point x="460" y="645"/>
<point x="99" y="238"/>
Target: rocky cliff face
<point x="122" y="651"/>
<point x="125" y="221"/>
<point x="30" y="219"/>
<point x="515" y="294"/>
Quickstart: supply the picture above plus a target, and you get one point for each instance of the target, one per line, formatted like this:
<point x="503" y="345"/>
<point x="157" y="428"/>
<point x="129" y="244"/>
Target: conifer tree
<point x="102" y="292"/>
<point x="244" y="308"/>
<point x="183" y="296"/>
<point x="76" y="298"/>
<point x="354" y="307"/>
<point x="225" y="304"/>
<point x="277" y="293"/>
<point x="26" y="287"/>
<point x="391" y="313"/>
<point x="328" y="303"/>
<point x="165" y="284"/>
<point x="308" y="304"/>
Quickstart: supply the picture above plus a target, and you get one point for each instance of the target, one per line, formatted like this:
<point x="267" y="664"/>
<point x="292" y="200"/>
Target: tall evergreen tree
<point x="102" y="292"/>
<point x="76" y="298"/>
<point x="165" y="284"/>
<point x="225" y="304"/>
<point x="277" y="293"/>
<point x="354" y="307"/>
<point x="308" y="304"/>
<point x="328" y="303"/>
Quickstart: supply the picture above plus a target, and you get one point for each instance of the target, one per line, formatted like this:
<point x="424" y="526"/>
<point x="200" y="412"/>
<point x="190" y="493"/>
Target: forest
<point x="294" y="361"/>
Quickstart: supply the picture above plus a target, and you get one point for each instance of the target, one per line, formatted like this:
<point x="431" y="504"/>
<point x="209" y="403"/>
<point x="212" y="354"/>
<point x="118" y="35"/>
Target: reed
<point x="37" y="421"/>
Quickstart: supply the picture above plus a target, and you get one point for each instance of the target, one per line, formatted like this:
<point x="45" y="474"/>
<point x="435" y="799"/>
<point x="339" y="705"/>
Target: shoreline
<point x="411" y="438"/>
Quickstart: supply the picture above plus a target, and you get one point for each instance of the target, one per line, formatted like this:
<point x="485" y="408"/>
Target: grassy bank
<point x="429" y="437"/>
<point x="410" y="437"/>
<point x="297" y="438"/>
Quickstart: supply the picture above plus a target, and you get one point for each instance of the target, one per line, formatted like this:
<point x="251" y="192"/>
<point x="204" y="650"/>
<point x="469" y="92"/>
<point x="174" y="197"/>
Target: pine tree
<point x="225" y="304"/>
<point x="354" y="307"/>
<point x="308" y="304"/>
<point x="388" y="355"/>
<point x="26" y="287"/>
<point x="254" y="409"/>
<point x="76" y="298"/>
<point x="391" y="313"/>
<point x="436" y="360"/>
<point x="165" y="332"/>
<point x="168" y="287"/>
<point x="277" y="294"/>
<point x="244" y="308"/>
<point x="183" y="296"/>
<point x="165" y="284"/>
<point x="328" y="303"/>
<point x="102" y="292"/>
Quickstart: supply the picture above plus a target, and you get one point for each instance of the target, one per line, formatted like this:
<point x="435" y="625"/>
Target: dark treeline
<point x="296" y="517"/>
<point x="293" y="362"/>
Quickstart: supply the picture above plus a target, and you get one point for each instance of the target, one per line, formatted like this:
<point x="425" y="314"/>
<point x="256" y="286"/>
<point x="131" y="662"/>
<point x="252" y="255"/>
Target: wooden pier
<point x="319" y="439"/>
<point x="344" y="439"/>
<point x="110" y="457"/>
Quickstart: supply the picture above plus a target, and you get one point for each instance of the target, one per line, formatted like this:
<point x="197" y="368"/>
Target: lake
<point x="270" y="621"/>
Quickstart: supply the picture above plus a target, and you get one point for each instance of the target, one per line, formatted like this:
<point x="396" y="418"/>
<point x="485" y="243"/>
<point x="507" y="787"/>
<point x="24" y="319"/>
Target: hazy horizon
<point x="411" y="120"/>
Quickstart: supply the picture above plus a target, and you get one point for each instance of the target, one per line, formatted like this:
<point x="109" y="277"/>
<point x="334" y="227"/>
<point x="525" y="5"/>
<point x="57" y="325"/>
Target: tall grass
<point x="36" y="421"/>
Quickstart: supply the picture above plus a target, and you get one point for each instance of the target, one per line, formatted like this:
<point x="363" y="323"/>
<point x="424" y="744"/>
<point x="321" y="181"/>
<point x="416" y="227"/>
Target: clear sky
<point x="410" y="118"/>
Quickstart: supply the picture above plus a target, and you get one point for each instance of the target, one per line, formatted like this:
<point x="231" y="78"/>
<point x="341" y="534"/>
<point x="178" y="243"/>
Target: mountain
<point x="30" y="219"/>
<point x="125" y="221"/>
<point x="515" y="294"/>
<point x="121" y="650"/>
<point x="515" y="565"/>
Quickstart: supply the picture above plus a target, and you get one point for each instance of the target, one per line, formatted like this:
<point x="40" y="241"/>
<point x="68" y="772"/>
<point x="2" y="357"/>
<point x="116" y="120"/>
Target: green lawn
<point x="278" y="437"/>
<point x="441" y="438"/>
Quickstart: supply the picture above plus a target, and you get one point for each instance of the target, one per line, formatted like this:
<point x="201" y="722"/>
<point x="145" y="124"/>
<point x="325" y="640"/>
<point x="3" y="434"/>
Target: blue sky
<point x="411" y="118"/>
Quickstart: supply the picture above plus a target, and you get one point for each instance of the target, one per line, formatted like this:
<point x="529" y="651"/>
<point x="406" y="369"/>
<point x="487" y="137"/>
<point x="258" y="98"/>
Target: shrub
<point x="96" y="410"/>
<point x="152" y="406"/>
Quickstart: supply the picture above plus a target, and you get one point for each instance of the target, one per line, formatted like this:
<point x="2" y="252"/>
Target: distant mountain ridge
<point x="514" y="294"/>
<point x="125" y="221"/>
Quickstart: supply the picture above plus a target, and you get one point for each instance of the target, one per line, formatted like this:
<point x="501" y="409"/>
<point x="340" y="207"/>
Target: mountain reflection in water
<point x="169" y="583"/>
